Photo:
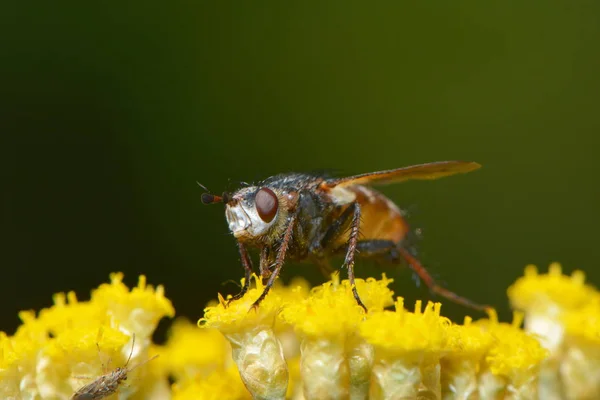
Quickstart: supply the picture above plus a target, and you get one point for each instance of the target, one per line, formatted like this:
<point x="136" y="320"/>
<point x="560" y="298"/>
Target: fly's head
<point x="256" y="213"/>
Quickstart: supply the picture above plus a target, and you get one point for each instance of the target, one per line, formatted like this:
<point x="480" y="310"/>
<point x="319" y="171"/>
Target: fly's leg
<point x="349" y="218"/>
<point x="287" y="236"/>
<point x="264" y="262"/>
<point x="351" y="251"/>
<point x="247" y="264"/>
<point x="416" y="266"/>
<point x="323" y="244"/>
<point x="395" y="252"/>
<point x="337" y="228"/>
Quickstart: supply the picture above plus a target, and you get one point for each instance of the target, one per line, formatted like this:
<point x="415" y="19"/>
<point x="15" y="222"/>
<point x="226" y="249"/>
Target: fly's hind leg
<point x="395" y="252"/>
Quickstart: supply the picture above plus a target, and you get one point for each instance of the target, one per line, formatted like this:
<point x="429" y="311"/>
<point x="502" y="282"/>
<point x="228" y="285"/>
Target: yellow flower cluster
<point x="313" y="344"/>
<point x="71" y="344"/>
<point x="564" y="313"/>
<point x="344" y="353"/>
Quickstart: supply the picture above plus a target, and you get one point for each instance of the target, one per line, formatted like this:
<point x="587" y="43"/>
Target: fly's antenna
<point x="208" y="198"/>
<point x="131" y="352"/>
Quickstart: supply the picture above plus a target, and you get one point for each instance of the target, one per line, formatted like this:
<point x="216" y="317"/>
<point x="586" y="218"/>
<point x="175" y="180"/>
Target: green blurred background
<point x="110" y="114"/>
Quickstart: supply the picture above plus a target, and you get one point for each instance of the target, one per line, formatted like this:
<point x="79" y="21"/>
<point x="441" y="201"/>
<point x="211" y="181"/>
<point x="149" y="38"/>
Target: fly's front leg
<point x="247" y="264"/>
<point x="350" y="253"/>
<point x="285" y="242"/>
<point x="265" y="263"/>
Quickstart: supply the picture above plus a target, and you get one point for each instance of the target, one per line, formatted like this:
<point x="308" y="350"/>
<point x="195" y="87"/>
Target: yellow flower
<point x="220" y="385"/>
<point x="335" y="361"/>
<point x="238" y="315"/>
<point x="331" y="309"/>
<point x="73" y="343"/>
<point x="255" y="348"/>
<point x="514" y="358"/>
<point x="467" y="346"/>
<point x="211" y="351"/>
<point x="78" y="356"/>
<point x="10" y="376"/>
<point x="547" y="291"/>
<point x="546" y="299"/>
<point x="580" y="362"/>
<point x="137" y="311"/>
<point x="406" y="334"/>
<point x="19" y="358"/>
<point x="309" y="344"/>
<point x="584" y="323"/>
<point x="408" y="347"/>
<point x="68" y="313"/>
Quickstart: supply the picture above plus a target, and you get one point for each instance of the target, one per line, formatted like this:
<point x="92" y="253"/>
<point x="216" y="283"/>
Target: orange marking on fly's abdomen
<point x="380" y="217"/>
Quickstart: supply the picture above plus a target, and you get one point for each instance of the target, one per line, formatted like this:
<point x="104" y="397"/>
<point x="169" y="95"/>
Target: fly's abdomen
<point x="380" y="217"/>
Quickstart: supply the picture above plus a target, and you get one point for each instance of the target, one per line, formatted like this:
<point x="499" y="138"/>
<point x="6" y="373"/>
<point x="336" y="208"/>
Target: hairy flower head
<point x="584" y="323"/>
<point x="137" y="311"/>
<point x="331" y="310"/>
<point x="403" y="333"/>
<point x="513" y="354"/>
<point x="546" y="292"/>
<point x="218" y="385"/>
<point x="240" y="315"/>
<point x="68" y="313"/>
<point x="467" y="342"/>
<point x="191" y="351"/>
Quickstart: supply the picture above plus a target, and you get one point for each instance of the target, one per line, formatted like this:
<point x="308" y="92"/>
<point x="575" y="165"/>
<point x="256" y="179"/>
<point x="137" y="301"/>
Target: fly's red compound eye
<point x="266" y="204"/>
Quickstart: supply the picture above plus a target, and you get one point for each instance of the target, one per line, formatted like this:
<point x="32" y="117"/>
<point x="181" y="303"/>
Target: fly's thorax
<point x="259" y="214"/>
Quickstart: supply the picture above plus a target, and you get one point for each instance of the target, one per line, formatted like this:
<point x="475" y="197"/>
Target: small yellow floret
<point x="540" y="292"/>
<point x="239" y="315"/>
<point x="138" y="310"/>
<point x="584" y="323"/>
<point x="192" y="351"/>
<point x="331" y="309"/>
<point x="402" y="332"/>
<point x="68" y="313"/>
<point x="84" y="345"/>
<point x="514" y="353"/>
<point x="26" y="342"/>
<point x="219" y="385"/>
<point x="10" y="376"/>
<point x="7" y="353"/>
<point x="467" y="341"/>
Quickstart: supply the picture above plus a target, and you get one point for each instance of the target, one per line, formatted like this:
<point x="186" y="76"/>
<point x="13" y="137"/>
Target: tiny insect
<point x="109" y="383"/>
<point x="313" y="218"/>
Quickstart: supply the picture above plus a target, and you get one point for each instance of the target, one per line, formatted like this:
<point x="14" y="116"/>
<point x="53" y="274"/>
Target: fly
<point x="313" y="218"/>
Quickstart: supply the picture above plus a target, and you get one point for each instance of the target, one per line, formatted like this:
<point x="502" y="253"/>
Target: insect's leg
<point x="265" y="263"/>
<point x="395" y="252"/>
<point x="416" y="266"/>
<point x="351" y="251"/>
<point x="378" y="248"/>
<point x="247" y="264"/>
<point x="337" y="228"/>
<point x="287" y="236"/>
